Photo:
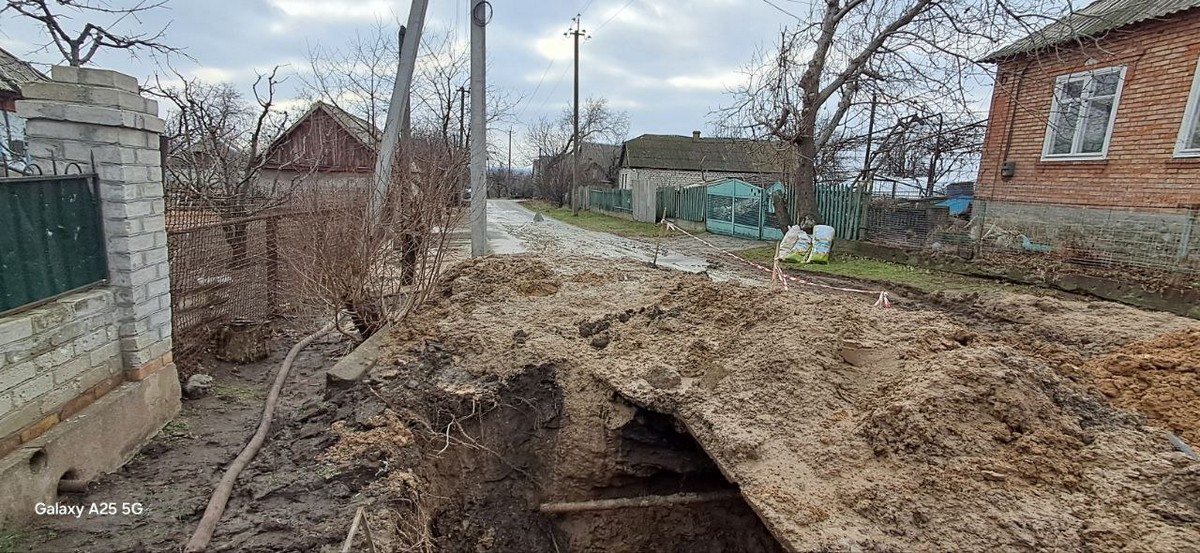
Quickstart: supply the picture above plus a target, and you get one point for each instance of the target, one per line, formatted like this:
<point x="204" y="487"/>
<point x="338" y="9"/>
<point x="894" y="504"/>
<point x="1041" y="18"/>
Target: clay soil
<point x="978" y="424"/>
<point x="955" y="422"/>
<point x="281" y="502"/>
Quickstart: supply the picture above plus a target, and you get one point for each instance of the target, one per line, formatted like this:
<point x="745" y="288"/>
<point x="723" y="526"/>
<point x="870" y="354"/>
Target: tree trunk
<point x="804" y="189"/>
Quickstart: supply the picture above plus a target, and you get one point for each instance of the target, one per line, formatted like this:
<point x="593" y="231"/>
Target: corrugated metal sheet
<point x="1096" y="19"/>
<point x="51" y="240"/>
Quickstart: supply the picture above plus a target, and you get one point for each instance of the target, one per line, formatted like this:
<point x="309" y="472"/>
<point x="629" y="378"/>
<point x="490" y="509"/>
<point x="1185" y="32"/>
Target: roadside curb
<point x="355" y="365"/>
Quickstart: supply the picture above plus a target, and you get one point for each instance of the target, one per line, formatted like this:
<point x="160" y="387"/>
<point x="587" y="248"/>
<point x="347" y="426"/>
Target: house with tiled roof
<point x="1093" y="142"/>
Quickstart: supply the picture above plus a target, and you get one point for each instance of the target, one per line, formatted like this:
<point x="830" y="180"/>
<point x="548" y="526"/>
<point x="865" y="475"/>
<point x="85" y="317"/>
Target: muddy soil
<point x="280" y="504"/>
<point x="846" y="427"/>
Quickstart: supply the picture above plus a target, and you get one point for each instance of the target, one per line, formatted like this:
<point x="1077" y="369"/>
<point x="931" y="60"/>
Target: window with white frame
<point x="1189" y="133"/>
<point x="1082" y="114"/>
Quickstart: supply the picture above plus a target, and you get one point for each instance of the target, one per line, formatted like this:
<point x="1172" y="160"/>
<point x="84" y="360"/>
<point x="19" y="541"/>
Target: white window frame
<point x="1190" y="120"/>
<point x="1059" y="83"/>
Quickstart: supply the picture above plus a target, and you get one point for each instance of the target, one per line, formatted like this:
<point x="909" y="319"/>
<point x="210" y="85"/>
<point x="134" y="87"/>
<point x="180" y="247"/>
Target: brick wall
<point x="58" y="358"/>
<point x="1125" y="208"/>
<point x="1140" y="170"/>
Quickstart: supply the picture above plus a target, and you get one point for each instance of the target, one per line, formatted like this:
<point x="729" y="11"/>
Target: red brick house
<point x="1093" y="143"/>
<point x="327" y="146"/>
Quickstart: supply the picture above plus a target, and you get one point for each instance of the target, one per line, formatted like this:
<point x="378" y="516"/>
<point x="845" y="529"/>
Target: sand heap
<point x="849" y="426"/>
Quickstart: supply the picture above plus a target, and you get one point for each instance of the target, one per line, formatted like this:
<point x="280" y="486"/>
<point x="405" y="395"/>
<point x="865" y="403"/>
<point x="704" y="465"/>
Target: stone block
<point x="89" y="302"/>
<point x="15" y="375"/>
<point x="49" y="316"/>
<point x="136" y="277"/>
<point x="59" y="396"/>
<point x="122" y="227"/>
<point x="67" y="372"/>
<point x="6" y="404"/>
<point x="53" y="358"/>
<point x="90" y="342"/>
<point x="95" y="77"/>
<point x="22" y="415"/>
<point x="104" y="354"/>
<point x="127" y="210"/>
<point x="121" y="245"/>
<point x="15" y="328"/>
<point x="95" y="375"/>
<point x="67" y="332"/>
<point x="33" y="388"/>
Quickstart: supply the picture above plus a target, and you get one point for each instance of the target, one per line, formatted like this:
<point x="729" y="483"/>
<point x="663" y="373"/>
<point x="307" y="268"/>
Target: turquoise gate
<point x="737" y="208"/>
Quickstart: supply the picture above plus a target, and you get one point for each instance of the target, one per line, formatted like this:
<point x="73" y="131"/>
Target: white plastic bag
<point x="822" y="242"/>
<point x="795" y="245"/>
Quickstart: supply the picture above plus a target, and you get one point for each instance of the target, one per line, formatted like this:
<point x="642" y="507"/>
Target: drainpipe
<point x="1012" y="116"/>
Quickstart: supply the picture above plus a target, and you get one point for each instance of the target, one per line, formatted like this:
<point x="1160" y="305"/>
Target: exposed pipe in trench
<point x="645" y="501"/>
<point x="220" y="497"/>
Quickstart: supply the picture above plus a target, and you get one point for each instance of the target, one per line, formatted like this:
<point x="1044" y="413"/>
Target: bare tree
<point x="79" y="47"/>
<point x="907" y="55"/>
<point x="217" y="145"/>
<point x="358" y="78"/>
<point x="553" y="140"/>
<point x="928" y="149"/>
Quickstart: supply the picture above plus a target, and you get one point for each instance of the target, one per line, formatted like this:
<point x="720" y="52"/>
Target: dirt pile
<point x="845" y="426"/>
<point x="1159" y="378"/>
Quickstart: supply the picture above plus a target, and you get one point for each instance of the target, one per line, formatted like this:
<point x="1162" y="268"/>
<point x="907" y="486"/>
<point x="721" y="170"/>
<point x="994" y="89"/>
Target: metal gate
<point x="737" y="208"/>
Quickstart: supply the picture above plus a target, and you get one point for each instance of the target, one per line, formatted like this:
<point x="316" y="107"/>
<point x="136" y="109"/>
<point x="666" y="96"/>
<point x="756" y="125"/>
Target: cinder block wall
<point x="56" y="357"/>
<point x="104" y="352"/>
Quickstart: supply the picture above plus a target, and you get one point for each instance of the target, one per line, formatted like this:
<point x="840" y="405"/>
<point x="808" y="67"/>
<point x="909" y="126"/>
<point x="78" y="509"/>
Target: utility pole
<point x="385" y="158"/>
<point x="576" y="32"/>
<point x="510" y="150"/>
<point x="870" y="136"/>
<point x="481" y="13"/>
<point x="462" y="115"/>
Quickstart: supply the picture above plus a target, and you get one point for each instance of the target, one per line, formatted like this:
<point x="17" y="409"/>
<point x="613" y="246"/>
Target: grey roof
<point x="1097" y="18"/>
<point x="14" y="72"/>
<point x="684" y="153"/>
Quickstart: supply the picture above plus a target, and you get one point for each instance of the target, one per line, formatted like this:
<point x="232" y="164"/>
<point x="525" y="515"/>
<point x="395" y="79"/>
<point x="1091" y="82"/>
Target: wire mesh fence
<point x="1150" y="238"/>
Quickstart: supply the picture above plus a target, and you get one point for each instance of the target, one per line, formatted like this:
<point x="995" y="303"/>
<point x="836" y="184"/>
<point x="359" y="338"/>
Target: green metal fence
<point x="686" y="203"/>
<point x="841" y="207"/>
<point x="51" y="238"/>
<point x="611" y="200"/>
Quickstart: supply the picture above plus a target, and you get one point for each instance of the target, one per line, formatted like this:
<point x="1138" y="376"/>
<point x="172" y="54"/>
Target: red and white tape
<point x="776" y="272"/>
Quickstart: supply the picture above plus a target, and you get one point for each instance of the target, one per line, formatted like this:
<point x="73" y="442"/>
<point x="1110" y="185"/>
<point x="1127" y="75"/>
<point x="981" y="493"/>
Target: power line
<point x="613" y="16"/>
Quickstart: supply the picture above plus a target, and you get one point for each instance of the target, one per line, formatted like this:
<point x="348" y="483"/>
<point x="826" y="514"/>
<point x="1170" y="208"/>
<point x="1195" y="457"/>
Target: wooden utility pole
<point x="576" y="32"/>
<point x="481" y="13"/>
<point x="385" y="158"/>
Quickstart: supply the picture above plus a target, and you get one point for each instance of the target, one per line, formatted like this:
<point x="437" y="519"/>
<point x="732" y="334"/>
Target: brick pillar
<point x="84" y="115"/>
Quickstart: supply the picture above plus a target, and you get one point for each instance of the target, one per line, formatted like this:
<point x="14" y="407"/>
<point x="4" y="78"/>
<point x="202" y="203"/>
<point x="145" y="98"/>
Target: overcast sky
<point x="666" y="62"/>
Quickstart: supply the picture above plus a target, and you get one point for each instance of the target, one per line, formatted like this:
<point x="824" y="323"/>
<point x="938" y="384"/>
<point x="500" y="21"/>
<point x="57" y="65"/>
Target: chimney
<point x="695" y="136"/>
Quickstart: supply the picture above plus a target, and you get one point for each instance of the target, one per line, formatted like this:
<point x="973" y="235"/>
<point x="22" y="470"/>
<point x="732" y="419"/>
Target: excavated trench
<point x="550" y="463"/>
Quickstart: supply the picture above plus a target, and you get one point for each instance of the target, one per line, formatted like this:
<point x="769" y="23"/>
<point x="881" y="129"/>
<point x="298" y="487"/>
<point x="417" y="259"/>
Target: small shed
<point x="737" y="208"/>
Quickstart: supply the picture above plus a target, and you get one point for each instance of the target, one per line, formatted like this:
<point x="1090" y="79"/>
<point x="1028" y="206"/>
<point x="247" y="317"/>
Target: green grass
<point x="883" y="271"/>
<point x="595" y="221"/>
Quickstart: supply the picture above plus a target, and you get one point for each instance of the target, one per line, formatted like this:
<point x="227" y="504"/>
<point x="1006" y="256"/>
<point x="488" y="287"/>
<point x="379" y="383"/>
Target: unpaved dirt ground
<point x="281" y="502"/>
<point x="847" y="427"/>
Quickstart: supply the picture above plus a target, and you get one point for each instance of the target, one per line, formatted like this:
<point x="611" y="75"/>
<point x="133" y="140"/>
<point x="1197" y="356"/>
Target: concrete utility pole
<point x="481" y="13"/>
<point x="462" y="116"/>
<point x="576" y="32"/>
<point x="410" y="37"/>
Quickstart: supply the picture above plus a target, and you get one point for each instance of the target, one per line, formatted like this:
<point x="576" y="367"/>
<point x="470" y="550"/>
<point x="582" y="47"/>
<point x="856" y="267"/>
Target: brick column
<point x="96" y="118"/>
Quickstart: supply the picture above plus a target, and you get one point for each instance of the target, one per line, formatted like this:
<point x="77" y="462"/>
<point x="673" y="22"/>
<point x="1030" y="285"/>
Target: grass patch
<point x="595" y="221"/>
<point x="882" y="271"/>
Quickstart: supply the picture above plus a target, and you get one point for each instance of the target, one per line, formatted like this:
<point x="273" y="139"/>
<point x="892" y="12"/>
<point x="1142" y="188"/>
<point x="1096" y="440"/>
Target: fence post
<point x="85" y="114"/>
<point x="273" y="266"/>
